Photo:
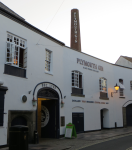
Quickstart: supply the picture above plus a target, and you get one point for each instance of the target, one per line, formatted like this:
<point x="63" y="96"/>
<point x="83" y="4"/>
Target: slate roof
<point x="10" y="11"/>
<point x="128" y="58"/>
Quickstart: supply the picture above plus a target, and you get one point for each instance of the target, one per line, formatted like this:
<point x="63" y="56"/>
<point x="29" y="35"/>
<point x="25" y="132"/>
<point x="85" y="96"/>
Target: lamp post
<point x="116" y="88"/>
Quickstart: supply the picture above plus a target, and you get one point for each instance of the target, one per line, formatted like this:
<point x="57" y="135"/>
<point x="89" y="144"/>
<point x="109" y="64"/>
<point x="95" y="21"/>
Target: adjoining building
<point x="47" y="85"/>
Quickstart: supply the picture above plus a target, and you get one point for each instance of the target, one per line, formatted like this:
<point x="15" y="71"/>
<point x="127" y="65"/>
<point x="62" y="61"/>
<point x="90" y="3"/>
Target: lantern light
<point x="116" y="88"/>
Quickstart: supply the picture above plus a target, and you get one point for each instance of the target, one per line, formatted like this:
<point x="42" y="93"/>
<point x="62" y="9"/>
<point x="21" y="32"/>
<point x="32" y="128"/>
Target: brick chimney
<point x="75" y="30"/>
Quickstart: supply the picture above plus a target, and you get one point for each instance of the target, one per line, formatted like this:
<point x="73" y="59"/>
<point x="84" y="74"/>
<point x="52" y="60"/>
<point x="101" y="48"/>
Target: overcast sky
<point x="106" y="25"/>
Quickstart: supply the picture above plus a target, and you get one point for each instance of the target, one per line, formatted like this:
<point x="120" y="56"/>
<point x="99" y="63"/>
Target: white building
<point x="52" y="73"/>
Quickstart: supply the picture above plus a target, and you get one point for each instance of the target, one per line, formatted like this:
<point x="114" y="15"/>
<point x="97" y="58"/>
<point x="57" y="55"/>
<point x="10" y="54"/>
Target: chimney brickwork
<point x="75" y="42"/>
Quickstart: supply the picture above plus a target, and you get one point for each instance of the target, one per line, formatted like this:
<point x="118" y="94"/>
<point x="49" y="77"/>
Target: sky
<point x="105" y="25"/>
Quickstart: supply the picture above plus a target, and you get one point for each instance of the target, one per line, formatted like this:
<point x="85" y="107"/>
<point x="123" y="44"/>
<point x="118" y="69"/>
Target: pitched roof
<point x="10" y="11"/>
<point x="127" y="58"/>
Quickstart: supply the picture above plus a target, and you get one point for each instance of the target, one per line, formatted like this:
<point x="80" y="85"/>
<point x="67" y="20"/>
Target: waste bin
<point x="36" y="139"/>
<point x="18" y="138"/>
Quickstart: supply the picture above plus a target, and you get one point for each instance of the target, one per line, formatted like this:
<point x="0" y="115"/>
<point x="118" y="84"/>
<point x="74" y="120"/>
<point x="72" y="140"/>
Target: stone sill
<point x="104" y="98"/>
<point x="122" y="97"/>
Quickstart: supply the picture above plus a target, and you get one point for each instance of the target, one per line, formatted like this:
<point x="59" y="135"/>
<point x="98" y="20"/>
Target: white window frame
<point x="121" y="90"/>
<point x="103" y="85"/>
<point x="75" y="80"/>
<point x="48" y="60"/>
<point x="15" y="41"/>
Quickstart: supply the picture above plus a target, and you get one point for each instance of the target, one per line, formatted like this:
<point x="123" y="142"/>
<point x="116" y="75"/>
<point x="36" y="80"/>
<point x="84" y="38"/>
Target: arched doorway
<point x="129" y="115"/>
<point x="19" y="121"/>
<point x="48" y="113"/>
<point x="104" y="118"/>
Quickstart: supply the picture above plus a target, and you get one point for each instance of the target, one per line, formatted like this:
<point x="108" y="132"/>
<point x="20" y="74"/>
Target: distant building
<point x="46" y="85"/>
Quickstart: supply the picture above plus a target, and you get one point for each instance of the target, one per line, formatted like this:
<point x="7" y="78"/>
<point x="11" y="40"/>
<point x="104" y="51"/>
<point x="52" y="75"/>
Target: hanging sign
<point x="70" y="131"/>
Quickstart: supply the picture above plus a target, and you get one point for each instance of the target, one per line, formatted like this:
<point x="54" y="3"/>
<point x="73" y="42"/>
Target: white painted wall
<point x="64" y="61"/>
<point x="124" y="62"/>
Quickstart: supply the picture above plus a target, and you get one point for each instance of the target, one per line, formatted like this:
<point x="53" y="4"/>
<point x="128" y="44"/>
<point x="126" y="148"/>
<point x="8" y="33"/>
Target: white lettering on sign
<point x="48" y="85"/>
<point x="75" y="26"/>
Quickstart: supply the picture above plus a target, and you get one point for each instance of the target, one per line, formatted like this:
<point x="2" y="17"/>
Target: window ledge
<point x="15" y="76"/>
<point x="104" y="98"/>
<point x="49" y="73"/>
<point x="78" y="95"/>
<point x="122" y="97"/>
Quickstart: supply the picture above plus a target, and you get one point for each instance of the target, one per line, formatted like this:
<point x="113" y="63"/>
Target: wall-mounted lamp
<point x="62" y="103"/>
<point x="116" y="88"/>
<point x="64" y="97"/>
<point x="34" y="101"/>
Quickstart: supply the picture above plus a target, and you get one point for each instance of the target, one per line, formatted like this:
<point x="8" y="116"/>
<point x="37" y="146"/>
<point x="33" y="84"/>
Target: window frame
<point x="14" y="53"/>
<point x="50" y="72"/>
<point x="76" y="82"/>
<point x="121" y="90"/>
<point x="102" y="86"/>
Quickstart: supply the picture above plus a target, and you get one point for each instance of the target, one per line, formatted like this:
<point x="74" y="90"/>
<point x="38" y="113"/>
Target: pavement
<point x="83" y="140"/>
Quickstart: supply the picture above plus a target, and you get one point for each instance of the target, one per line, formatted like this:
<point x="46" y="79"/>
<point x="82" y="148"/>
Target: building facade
<point x="46" y="85"/>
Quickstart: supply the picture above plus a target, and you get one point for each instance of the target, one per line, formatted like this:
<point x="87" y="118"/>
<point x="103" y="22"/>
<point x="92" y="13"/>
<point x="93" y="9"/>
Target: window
<point x="62" y="121"/>
<point x="130" y="85"/>
<point x="103" y="88"/>
<point x="48" y="61"/>
<point x="121" y="90"/>
<point x="16" y="54"/>
<point x="103" y="85"/>
<point x="76" y="81"/>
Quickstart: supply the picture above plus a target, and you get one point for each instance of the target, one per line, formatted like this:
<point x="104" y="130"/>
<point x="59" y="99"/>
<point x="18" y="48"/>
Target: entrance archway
<point x="129" y="115"/>
<point x="104" y="118"/>
<point x="48" y="113"/>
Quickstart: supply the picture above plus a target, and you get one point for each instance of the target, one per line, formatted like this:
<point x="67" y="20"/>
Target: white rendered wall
<point x="64" y="61"/>
<point x="124" y="62"/>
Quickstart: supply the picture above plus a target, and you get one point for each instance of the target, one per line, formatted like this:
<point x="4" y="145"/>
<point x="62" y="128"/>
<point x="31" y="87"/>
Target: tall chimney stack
<point x="75" y="30"/>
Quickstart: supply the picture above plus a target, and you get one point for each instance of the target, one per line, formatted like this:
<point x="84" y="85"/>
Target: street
<point x="124" y="143"/>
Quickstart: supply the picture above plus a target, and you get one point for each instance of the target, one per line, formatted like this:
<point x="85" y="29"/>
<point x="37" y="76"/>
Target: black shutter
<point x="1" y="107"/>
